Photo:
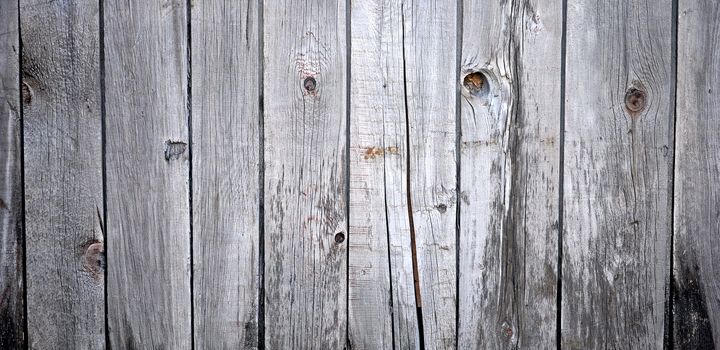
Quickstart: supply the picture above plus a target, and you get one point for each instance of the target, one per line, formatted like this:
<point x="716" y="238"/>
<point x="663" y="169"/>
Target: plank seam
<point x="25" y="340"/>
<point x="261" y="178"/>
<point x="561" y="178"/>
<point x="348" y="82"/>
<point x="458" y="142"/>
<point x="670" y="320"/>
<point x="103" y="138"/>
<point x="188" y="106"/>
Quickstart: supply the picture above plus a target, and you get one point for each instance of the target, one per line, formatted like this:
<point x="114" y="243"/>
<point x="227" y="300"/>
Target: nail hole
<point x="339" y="237"/>
<point x="310" y="84"/>
<point x="476" y="84"/>
<point x="635" y="100"/>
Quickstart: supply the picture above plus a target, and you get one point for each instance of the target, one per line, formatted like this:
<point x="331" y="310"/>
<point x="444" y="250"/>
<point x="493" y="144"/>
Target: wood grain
<point x="225" y="145"/>
<point x="509" y="174"/>
<point x="305" y="82"/>
<point x="429" y="54"/>
<point x="696" y="252"/>
<point x="12" y="311"/>
<point x="382" y="313"/>
<point x="148" y="223"/>
<point x="63" y="174"/>
<point x="617" y="171"/>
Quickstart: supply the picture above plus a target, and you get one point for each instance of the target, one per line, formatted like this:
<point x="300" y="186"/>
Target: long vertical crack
<point x="413" y="244"/>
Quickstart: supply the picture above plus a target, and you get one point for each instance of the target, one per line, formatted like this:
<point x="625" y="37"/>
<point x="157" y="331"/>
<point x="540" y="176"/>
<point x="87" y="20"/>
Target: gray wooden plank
<point x="148" y="224"/>
<point x="12" y="311"/>
<point x="509" y="174"/>
<point x="696" y="297"/>
<point x="381" y="290"/>
<point x="617" y="164"/>
<point x="63" y="174"/>
<point x="225" y="141"/>
<point x="305" y="82"/>
<point x="429" y="55"/>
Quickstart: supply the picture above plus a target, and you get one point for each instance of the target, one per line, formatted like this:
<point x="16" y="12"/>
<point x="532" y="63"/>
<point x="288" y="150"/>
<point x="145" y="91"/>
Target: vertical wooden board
<point x="63" y="174"/>
<point x="225" y="145"/>
<point x="509" y="174"/>
<point x="12" y="311"/>
<point x="305" y="82"/>
<point x="148" y="222"/>
<point x="429" y="55"/>
<point x="381" y="291"/>
<point x="696" y="297"/>
<point x="617" y="163"/>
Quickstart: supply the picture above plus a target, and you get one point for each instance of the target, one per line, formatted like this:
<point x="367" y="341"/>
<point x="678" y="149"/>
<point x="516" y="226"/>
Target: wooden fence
<point x="365" y="174"/>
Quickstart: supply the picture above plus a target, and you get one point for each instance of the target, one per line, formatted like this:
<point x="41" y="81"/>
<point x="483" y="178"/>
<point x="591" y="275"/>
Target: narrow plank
<point x="509" y="174"/>
<point x="617" y="164"/>
<point x="12" y="311"/>
<point x="305" y="222"/>
<point x="63" y="174"/>
<point x="148" y="222"/>
<point x="696" y="302"/>
<point x="429" y="54"/>
<point x="225" y="142"/>
<point x="381" y="302"/>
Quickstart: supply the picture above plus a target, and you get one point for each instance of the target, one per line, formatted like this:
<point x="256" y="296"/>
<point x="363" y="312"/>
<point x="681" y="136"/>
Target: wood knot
<point x="174" y="149"/>
<point x="635" y="100"/>
<point x="474" y="82"/>
<point x="442" y="208"/>
<point x="339" y="237"/>
<point x="310" y="84"/>
<point x="94" y="257"/>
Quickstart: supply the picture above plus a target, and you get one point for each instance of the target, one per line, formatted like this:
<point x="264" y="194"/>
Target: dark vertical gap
<point x="188" y="52"/>
<point x="669" y="319"/>
<point x="413" y="245"/>
<point x="103" y="152"/>
<point x="25" y="339"/>
<point x="561" y="179"/>
<point x="348" y="42"/>
<point x="261" y="180"/>
<point x="458" y="142"/>
<point x="387" y="235"/>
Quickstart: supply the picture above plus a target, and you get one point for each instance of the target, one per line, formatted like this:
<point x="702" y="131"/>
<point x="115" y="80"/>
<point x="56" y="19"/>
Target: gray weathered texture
<point x="225" y="146"/>
<point x="12" y="313"/>
<point x="429" y="54"/>
<point x="697" y="178"/>
<point x="63" y="174"/>
<point x="617" y="168"/>
<point x="305" y="174"/>
<point x="509" y="177"/>
<point x="381" y="290"/>
<point x="148" y="228"/>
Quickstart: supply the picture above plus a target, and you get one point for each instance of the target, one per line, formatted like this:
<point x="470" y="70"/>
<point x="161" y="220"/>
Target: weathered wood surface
<point x="696" y="282"/>
<point x="382" y="311"/>
<point x="225" y="161"/>
<point x="146" y="128"/>
<point x="63" y="174"/>
<point x="305" y="153"/>
<point x="12" y="311"/>
<point x="509" y="174"/>
<point x="617" y="172"/>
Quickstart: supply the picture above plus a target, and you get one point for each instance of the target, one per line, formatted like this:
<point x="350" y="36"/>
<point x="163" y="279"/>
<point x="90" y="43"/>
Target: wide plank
<point x="430" y="30"/>
<point x="147" y="165"/>
<point x="617" y="174"/>
<point x="225" y="161"/>
<point x="382" y="311"/>
<point x="696" y="249"/>
<point x="305" y="152"/>
<point x="12" y="311"/>
<point x="509" y="174"/>
<point x="63" y="174"/>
